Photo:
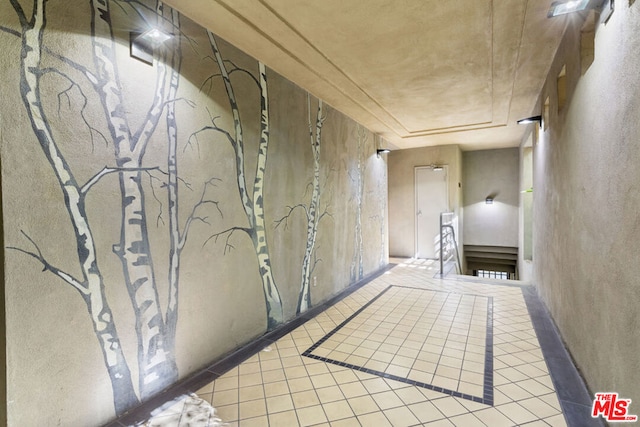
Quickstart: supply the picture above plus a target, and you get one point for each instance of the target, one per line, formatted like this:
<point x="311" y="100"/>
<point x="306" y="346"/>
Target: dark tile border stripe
<point x="488" y="356"/>
<point x="575" y="400"/>
<point x="139" y="415"/>
<point x="487" y="397"/>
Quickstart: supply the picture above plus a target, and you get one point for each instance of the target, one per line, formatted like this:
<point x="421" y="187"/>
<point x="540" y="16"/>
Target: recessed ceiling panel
<point x="428" y="63"/>
<point x="416" y="72"/>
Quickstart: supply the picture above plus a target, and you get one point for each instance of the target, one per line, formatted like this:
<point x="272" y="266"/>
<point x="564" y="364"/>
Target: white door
<point x="431" y="199"/>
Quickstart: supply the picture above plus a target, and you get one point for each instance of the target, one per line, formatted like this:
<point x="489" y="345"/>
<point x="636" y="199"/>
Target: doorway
<point x="432" y="198"/>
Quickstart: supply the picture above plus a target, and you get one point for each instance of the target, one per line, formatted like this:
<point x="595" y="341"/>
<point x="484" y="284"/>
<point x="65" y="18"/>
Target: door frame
<point x="415" y="200"/>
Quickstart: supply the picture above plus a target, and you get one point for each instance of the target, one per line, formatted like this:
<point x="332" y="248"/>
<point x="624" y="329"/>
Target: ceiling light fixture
<point x="154" y="36"/>
<point x="562" y="7"/>
<point x="532" y="119"/>
<point x="382" y="151"/>
<point x="141" y="45"/>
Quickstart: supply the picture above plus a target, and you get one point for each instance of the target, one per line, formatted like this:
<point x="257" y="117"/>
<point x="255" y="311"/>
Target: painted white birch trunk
<point x="313" y="216"/>
<point x="92" y="287"/>
<point x="254" y="205"/>
<point x="358" y="268"/>
<point x="157" y="368"/>
<point x="273" y="301"/>
<point x="175" y="240"/>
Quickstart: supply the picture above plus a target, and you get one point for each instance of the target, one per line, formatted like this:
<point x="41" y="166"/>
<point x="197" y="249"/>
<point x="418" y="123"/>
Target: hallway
<point x="405" y="349"/>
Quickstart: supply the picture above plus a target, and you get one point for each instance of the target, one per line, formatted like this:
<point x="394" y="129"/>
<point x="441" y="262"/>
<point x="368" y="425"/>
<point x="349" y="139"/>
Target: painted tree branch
<point x="106" y="171"/>
<point x="230" y="231"/>
<point x="285" y="219"/>
<point x="192" y="217"/>
<point x="77" y="284"/>
<point x="65" y="92"/>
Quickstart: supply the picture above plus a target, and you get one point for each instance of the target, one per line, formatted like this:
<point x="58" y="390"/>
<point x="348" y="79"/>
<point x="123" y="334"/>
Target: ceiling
<point x="417" y="72"/>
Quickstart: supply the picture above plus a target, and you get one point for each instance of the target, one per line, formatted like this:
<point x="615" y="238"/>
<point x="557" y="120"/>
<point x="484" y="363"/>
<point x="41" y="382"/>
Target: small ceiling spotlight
<point x="154" y="36"/>
<point x="532" y="119"/>
<point x="382" y="151"/>
<point x="562" y="7"/>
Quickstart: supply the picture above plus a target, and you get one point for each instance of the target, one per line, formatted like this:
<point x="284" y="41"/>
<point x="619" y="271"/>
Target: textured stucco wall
<point x="587" y="204"/>
<point x="491" y="172"/>
<point x="525" y="214"/>
<point x="402" y="195"/>
<point x="56" y="364"/>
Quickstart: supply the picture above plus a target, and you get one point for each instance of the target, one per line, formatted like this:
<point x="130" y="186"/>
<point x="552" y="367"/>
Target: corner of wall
<point x="3" y="323"/>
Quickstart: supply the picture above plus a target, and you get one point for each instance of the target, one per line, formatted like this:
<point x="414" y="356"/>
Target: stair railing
<point x="448" y="242"/>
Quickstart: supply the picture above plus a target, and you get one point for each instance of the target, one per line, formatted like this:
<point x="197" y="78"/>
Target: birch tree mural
<point x="312" y="210"/>
<point x="91" y="286"/>
<point x="155" y="361"/>
<point x="155" y="333"/>
<point x="252" y="199"/>
<point x="101" y="195"/>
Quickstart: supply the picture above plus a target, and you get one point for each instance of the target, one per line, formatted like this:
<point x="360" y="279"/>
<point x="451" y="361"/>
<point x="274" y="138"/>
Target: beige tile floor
<point x="419" y="328"/>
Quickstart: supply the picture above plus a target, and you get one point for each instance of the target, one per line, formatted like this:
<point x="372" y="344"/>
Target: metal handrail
<point x="455" y="244"/>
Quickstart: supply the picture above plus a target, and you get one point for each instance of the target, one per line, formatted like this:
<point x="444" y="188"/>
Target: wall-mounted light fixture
<point x="489" y="200"/>
<point x="532" y="119"/>
<point x="141" y="45"/>
<point x="562" y="7"/>
<point x="382" y="151"/>
<point x="436" y="168"/>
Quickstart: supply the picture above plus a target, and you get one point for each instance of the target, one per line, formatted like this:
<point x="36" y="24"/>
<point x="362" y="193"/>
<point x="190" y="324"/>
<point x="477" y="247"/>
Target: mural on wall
<point x="252" y="199"/>
<point x="312" y="210"/>
<point x="357" y="177"/>
<point x="381" y="199"/>
<point x="155" y="332"/>
<point x="146" y="182"/>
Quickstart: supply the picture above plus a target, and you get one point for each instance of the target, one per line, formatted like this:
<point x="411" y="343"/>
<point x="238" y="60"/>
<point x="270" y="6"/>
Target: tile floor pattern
<point x="431" y="339"/>
<point x="420" y="320"/>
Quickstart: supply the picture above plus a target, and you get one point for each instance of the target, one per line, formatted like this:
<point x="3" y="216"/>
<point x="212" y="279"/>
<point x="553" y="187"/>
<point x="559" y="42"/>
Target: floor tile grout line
<point x="508" y="337"/>
<point x="454" y="393"/>
<point x="341" y="325"/>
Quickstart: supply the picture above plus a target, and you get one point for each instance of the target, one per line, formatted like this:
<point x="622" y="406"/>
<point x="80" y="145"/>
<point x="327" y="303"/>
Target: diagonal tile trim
<point x="487" y="397"/>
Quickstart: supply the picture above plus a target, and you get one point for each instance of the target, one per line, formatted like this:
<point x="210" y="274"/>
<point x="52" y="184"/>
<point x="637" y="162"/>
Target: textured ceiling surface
<point x="418" y="72"/>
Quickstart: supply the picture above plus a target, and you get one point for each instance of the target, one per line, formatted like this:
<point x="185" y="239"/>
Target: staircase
<point x="492" y="258"/>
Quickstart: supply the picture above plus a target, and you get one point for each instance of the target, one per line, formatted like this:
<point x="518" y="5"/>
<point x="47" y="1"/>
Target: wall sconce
<point x="382" y="151"/>
<point x="489" y="200"/>
<point x="532" y="119"/>
<point x="141" y="45"/>
<point x="562" y="7"/>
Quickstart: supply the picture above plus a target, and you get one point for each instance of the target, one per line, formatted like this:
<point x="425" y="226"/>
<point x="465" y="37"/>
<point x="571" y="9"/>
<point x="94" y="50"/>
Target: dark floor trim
<point x="487" y="397"/>
<point x="142" y="413"/>
<point x="575" y="399"/>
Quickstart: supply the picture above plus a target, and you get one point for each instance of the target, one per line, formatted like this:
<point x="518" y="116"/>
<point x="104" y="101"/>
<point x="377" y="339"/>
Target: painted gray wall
<point x="587" y="205"/>
<point x="491" y="172"/>
<point x="402" y="164"/>
<point x="525" y="217"/>
<point x="56" y="364"/>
